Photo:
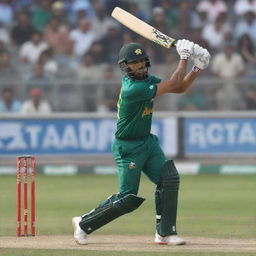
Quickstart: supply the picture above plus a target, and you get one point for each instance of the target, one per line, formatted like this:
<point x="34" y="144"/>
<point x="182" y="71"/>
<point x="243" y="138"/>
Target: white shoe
<point x="79" y="235"/>
<point x="169" y="240"/>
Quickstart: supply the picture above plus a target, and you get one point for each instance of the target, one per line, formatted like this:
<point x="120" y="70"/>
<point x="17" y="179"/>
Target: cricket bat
<point x="142" y="28"/>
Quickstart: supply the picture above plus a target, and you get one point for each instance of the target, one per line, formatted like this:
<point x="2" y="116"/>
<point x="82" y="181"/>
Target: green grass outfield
<point x="214" y="206"/>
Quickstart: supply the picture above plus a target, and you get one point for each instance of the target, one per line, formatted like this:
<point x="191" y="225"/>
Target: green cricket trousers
<point x="135" y="156"/>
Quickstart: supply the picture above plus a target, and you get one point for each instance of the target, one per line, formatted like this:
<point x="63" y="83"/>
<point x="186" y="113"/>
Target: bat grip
<point x="174" y="43"/>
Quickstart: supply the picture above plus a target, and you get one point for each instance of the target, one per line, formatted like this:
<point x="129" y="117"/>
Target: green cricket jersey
<point x="135" y="107"/>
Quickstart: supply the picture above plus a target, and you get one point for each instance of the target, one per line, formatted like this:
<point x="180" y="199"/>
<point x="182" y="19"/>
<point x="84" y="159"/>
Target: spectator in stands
<point x="49" y="64"/>
<point x="217" y="31"/>
<point x="170" y="12"/>
<point x="159" y="22"/>
<point x="97" y="51"/>
<point x="247" y="25"/>
<point x="8" y="104"/>
<point x="168" y="65"/>
<point x="152" y="50"/>
<point x="7" y="70"/>
<point x="192" y="100"/>
<point x="213" y="8"/>
<point x="35" y="105"/>
<point x="101" y="22"/>
<point x="186" y="20"/>
<point x="228" y="39"/>
<point x="247" y="49"/>
<point x="185" y="10"/>
<point x="23" y="30"/>
<point x="250" y="98"/>
<point x="88" y="70"/>
<point x="4" y="34"/>
<point x="58" y="13"/>
<point x="38" y="78"/>
<point x="111" y="4"/>
<point x="67" y="61"/>
<point x="243" y="6"/>
<point x="127" y="37"/>
<point x="23" y="5"/>
<point x="81" y="10"/>
<point x="228" y="65"/>
<point x="42" y="14"/>
<point x="134" y="9"/>
<point x="83" y="37"/>
<point x="201" y="20"/>
<point x="144" y="8"/>
<point x="184" y="28"/>
<point x="110" y="75"/>
<point x="112" y="41"/>
<point x="196" y="37"/>
<point x="6" y="12"/>
<point x="86" y="5"/>
<point x="56" y="35"/>
<point x="2" y="47"/>
<point x="31" y="50"/>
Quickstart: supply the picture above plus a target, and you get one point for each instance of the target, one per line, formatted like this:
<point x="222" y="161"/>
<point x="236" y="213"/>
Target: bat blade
<point x="142" y="28"/>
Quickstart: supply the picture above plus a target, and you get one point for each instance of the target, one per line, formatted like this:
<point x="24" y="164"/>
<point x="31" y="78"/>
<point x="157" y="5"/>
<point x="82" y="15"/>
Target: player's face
<point x="138" y="67"/>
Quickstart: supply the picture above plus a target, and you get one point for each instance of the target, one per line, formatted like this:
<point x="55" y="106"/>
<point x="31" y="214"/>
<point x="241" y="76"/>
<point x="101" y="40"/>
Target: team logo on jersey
<point x="151" y="86"/>
<point x="147" y="111"/>
<point x="132" y="165"/>
<point x="138" y="51"/>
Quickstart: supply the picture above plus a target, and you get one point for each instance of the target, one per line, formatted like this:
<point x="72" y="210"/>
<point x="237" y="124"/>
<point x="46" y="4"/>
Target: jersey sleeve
<point x="156" y="79"/>
<point x="142" y="90"/>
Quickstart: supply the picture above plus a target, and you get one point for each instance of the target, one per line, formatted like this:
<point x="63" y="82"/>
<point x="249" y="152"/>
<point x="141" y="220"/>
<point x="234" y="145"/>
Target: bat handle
<point x="174" y="43"/>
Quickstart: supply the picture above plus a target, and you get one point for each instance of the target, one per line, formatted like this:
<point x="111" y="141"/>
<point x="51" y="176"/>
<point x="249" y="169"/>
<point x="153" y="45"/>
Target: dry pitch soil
<point x="128" y="243"/>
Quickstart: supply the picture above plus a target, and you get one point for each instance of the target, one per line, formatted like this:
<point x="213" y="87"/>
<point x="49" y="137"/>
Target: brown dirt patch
<point x="128" y="243"/>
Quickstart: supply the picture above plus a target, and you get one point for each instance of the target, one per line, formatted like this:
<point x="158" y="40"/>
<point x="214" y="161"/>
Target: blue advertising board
<point x="72" y="136"/>
<point x="219" y="136"/>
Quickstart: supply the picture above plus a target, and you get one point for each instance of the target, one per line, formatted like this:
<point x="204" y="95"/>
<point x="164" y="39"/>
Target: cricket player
<point x="136" y="150"/>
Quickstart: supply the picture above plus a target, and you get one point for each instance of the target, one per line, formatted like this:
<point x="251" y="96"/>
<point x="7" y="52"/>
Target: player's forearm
<point x="174" y="84"/>
<point x="178" y="76"/>
<point x="188" y="80"/>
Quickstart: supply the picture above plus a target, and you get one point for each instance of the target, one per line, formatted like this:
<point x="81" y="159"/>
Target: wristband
<point x="196" y="69"/>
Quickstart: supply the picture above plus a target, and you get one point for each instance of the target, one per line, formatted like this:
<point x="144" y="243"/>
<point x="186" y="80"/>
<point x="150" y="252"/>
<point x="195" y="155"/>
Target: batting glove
<point x="197" y="50"/>
<point x="200" y="57"/>
<point x="184" y="48"/>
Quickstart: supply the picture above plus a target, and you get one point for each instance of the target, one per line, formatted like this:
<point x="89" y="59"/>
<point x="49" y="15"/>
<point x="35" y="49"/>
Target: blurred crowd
<point x="43" y="42"/>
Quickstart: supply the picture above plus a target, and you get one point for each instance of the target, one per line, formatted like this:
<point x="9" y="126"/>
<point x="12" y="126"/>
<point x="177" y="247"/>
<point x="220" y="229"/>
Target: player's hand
<point x="197" y="50"/>
<point x="201" y="57"/>
<point x="184" y="48"/>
